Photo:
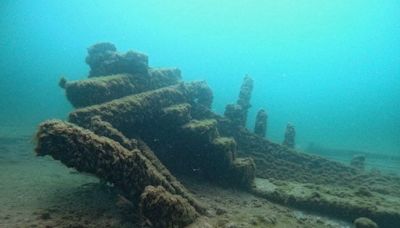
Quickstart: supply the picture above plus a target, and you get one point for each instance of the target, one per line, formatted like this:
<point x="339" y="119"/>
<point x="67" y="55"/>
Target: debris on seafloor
<point x="135" y="126"/>
<point x="163" y="209"/>
<point x="358" y="161"/>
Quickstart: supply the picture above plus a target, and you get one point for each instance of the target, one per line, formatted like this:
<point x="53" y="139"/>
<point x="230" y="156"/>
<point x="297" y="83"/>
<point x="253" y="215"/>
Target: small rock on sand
<point x="363" y="222"/>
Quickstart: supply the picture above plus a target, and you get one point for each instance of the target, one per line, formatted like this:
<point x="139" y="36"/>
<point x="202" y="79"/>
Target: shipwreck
<point x="137" y="127"/>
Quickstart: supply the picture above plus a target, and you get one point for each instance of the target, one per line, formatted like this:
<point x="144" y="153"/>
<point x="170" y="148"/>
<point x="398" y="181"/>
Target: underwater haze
<point x="331" y="68"/>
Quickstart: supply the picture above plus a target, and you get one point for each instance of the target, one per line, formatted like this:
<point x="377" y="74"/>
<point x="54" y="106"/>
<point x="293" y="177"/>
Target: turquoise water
<point x="332" y="68"/>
